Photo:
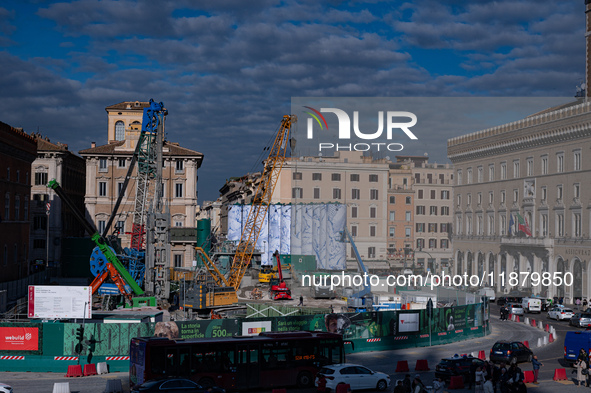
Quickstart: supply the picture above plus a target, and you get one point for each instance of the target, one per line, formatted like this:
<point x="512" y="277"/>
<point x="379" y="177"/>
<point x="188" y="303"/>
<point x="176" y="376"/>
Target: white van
<point x="488" y="292"/>
<point x="531" y="304"/>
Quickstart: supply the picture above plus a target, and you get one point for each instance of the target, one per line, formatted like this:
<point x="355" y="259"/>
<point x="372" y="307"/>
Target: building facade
<point x="54" y="162"/>
<point x="521" y="204"/>
<point x="106" y="169"/>
<point x="17" y="152"/>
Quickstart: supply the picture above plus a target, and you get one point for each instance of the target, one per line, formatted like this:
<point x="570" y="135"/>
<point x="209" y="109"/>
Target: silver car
<point x="581" y="320"/>
<point x="515" y="309"/>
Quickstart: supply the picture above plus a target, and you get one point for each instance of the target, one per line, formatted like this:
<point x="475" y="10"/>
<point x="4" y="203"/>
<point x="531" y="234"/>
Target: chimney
<point x="92" y="144"/>
<point x="587" y="48"/>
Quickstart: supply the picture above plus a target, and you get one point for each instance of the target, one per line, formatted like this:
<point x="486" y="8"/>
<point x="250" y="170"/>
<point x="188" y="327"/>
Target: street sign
<point x="48" y="206"/>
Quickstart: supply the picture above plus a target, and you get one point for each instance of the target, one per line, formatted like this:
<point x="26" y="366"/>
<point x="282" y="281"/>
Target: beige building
<point x="536" y="171"/>
<point x="106" y="169"/>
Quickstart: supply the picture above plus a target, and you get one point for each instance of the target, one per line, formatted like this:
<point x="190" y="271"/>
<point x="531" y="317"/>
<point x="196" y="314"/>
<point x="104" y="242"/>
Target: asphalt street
<point x="384" y="361"/>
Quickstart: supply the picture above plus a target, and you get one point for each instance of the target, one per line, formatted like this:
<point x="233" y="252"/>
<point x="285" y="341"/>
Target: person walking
<point x="536" y="366"/>
<point x="438" y="385"/>
<point x="488" y="385"/>
<point x="407" y="383"/>
<point x="581" y="364"/>
<point x="301" y="303"/>
<point x="479" y="380"/>
<point x="585" y="304"/>
<point x="578" y="303"/>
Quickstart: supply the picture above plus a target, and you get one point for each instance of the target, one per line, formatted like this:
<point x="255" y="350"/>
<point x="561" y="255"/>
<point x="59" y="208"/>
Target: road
<point x="384" y="361"/>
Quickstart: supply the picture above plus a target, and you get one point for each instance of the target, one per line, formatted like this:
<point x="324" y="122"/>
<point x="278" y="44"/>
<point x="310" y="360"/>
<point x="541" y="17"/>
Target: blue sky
<point x="227" y="70"/>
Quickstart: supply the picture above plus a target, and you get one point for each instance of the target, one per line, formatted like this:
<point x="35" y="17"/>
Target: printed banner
<point x="19" y="339"/>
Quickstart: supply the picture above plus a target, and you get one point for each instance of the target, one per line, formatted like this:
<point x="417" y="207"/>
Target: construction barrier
<point x="61" y="387"/>
<point x="456" y="382"/>
<point x="114" y="386"/>
<point x="526" y="321"/>
<point x="540" y="325"/>
<point x="481" y="355"/>
<point x="526" y="343"/>
<point x="402" y="366"/>
<point x="528" y="376"/>
<point x="511" y="317"/>
<point x="547" y="329"/>
<point x="560" y="374"/>
<point x="517" y="318"/>
<point x="90" y="369"/>
<point x="533" y="323"/>
<point x="551" y="338"/>
<point x="545" y="340"/>
<point x="74" y="371"/>
<point x="422" y="365"/>
<point x="102" y="368"/>
<point x="540" y="342"/>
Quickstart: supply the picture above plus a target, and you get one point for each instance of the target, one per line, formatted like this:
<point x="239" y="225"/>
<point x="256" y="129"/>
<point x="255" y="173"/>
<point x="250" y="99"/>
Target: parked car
<point x="510" y="352"/>
<point x="174" y="385"/>
<point x="357" y="376"/>
<point x="580" y="320"/>
<point x="453" y="366"/>
<point x="560" y="313"/>
<point x="4" y="388"/>
<point x="515" y="309"/>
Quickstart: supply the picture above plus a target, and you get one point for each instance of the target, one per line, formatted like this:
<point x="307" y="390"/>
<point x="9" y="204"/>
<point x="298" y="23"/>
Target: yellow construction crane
<point x="225" y="289"/>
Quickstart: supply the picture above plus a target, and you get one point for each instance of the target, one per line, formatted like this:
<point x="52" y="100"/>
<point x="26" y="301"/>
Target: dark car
<point x="450" y="367"/>
<point x="174" y="385"/>
<point x="510" y="352"/>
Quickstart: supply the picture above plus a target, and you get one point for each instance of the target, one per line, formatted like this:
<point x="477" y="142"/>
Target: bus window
<point x="184" y="361"/>
<point x="157" y="364"/>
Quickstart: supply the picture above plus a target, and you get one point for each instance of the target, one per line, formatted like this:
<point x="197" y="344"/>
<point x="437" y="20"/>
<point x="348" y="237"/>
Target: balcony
<point x="527" y="241"/>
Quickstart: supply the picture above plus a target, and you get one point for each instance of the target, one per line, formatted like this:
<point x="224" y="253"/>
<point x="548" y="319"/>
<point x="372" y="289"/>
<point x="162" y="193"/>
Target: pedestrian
<point x="471" y="376"/>
<point x="479" y="380"/>
<point x="505" y="381"/>
<point x="488" y="385"/>
<point x="301" y="303"/>
<point x="399" y="388"/>
<point x="331" y="309"/>
<point x="503" y="316"/>
<point x="561" y="300"/>
<point x="407" y="383"/>
<point x="581" y="364"/>
<point x="536" y="366"/>
<point x="438" y="385"/>
<point x="419" y="387"/>
<point x="585" y="304"/>
<point x="578" y="303"/>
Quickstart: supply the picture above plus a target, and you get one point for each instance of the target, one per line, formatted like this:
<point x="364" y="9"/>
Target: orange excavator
<point x="279" y="291"/>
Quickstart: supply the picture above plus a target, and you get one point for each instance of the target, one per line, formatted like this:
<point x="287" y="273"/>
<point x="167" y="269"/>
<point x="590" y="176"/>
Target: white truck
<point x="488" y="292"/>
<point x="531" y="305"/>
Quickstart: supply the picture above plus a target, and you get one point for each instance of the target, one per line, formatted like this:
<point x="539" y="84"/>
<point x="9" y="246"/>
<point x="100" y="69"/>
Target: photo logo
<point x="394" y="120"/>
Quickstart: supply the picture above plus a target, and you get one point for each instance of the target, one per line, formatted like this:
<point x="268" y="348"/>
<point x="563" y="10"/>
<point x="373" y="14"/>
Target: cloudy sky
<point x="227" y="70"/>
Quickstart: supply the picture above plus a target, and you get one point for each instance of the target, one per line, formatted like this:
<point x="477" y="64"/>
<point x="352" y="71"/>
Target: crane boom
<point x="260" y="203"/>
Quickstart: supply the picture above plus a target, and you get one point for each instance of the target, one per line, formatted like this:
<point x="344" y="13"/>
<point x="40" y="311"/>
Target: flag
<point x="511" y="223"/>
<point x="523" y="227"/>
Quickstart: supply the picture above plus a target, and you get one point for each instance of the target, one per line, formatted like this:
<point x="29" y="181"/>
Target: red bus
<point x="269" y="360"/>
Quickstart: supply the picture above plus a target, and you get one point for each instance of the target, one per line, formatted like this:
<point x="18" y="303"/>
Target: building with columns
<point x="106" y="169"/>
<point x="535" y="171"/>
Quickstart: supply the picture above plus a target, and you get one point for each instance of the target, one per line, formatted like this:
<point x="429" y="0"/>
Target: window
<point x="577" y="160"/>
<point x="373" y="178"/>
<point x="433" y="192"/>
<point x="297" y="176"/>
<point x="503" y="196"/>
<point x="373" y="194"/>
<point x="529" y="166"/>
<point x="444" y="243"/>
<point x="544" y="219"/>
<point x="392" y="231"/>
<point x="41" y="178"/>
<point x="371" y="252"/>
<point x="515" y="195"/>
<point x="178" y="260"/>
<point x="102" y="188"/>
<point x="480" y="174"/>
<point x="372" y="230"/>
<point x="26" y="210"/>
<point x="103" y="165"/>
<point x="336" y="193"/>
<point x="178" y="223"/>
<point x="491" y="225"/>
<point x="354" y="177"/>
<point x="353" y="211"/>
<point x="479" y="226"/>
<point x="444" y="194"/>
<point x="469" y="201"/>
<point x="407" y="215"/>
<point x="373" y="212"/>
<point x="178" y="190"/>
<point x="120" y="188"/>
<point x="37" y="243"/>
<point x="408" y="200"/>
<point x="40" y="222"/>
<point x="121" y="163"/>
<point x="544" y="193"/>
<point x="432" y="228"/>
<point x="17" y="208"/>
<point x="335" y="177"/>
<point x="101" y="226"/>
<point x="420" y="210"/>
<point x="392" y="216"/>
<point x="317" y="176"/>
<point x="432" y="210"/>
<point x="316" y="193"/>
<point x="576" y="190"/>
<point x="420" y="243"/>
<point x="469" y="176"/>
<point x="515" y="169"/>
<point x="560" y="162"/>
<point x="353" y="230"/>
<point x="479" y="198"/>
<point x="544" y="165"/>
<point x="444" y="227"/>
<point x="432" y="243"/>
<point x="503" y="170"/>
<point x="296" y="192"/>
<point x="459" y="200"/>
<point x="445" y="210"/>
<point x="491" y="197"/>
<point x="560" y="224"/>
<point x="407" y="231"/>
<point x="120" y="227"/>
<point x="179" y="166"/>
<point x="420" y="194"/>
<point x="420" y="227"/>
<point x="577" y="224"/>
<point x="503" y="225"/>
<point x="119" y="131"/>
<point x="559" y="191"/>
<point x="459" y="177"/>
<point x="491" y="172"/>
<point x="355" y="193"/>
<point x="392" y="199"/>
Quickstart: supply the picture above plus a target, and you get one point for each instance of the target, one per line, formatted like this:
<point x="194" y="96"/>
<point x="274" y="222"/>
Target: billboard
<point x="19" y="338"/>
<point x="57" y="302"/>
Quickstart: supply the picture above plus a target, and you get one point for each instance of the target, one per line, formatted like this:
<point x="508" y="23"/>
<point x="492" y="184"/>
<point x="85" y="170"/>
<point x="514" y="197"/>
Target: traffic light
<point x="80" y="333"/>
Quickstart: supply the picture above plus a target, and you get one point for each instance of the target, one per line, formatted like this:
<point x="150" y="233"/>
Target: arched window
<point x="119" y="131"/>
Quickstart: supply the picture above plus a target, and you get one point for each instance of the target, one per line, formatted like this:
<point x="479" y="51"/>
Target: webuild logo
<point x="395" y="120"/>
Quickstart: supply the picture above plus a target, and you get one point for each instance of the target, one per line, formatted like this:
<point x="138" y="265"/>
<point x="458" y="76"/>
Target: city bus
<point x="269" y="360"/>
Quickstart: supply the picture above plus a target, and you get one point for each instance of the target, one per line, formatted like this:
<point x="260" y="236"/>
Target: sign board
<point x="57" y="302"/>
<point x="254" y="328"/>
<point x="408" y="322"/>
<point x="19" y="339"/>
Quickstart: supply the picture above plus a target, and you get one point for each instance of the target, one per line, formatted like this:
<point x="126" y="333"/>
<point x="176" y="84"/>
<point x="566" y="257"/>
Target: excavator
<point x="279" y="291"/>
<point x="214" y="289"/>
